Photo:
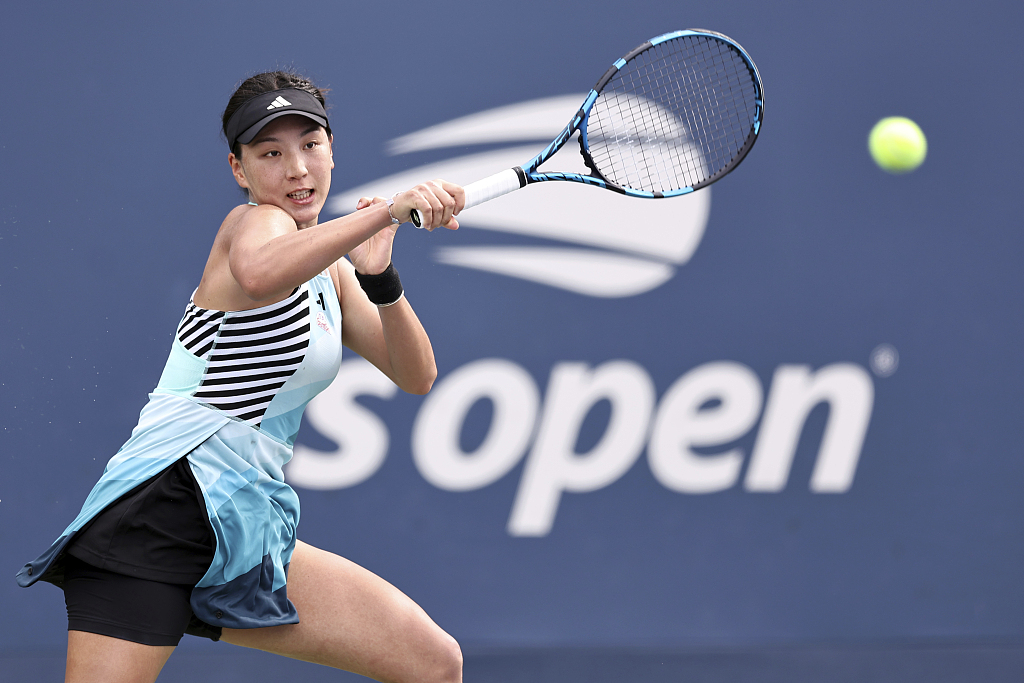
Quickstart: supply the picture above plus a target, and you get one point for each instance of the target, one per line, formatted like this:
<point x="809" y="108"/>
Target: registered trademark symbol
<point x="884" y="360"/>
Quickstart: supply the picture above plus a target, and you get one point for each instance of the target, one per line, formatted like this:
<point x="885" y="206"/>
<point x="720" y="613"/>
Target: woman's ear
<point x="237" y="170"/>
<point x="330" y="145"/>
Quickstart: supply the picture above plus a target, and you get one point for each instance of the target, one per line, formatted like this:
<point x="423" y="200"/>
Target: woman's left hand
<point x="373" y="256"/>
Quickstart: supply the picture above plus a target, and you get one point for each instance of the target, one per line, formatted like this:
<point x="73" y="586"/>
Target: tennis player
<point x="191" y="527"/>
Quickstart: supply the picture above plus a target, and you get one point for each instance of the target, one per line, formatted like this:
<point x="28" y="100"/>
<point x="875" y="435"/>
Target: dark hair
<point x="263" y="83"/>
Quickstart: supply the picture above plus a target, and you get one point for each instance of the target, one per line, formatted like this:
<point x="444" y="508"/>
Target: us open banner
<point x="769" y="430"/>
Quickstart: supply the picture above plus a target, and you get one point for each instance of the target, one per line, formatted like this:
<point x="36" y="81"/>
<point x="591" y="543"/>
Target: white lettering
<point x="795" y="391"/>
<point x="435" y="436"/>
<point x="684" y="421"/>
<point x="361" y="436"/>
<point x="710" y="406"/>
<point x="553" y="466"/>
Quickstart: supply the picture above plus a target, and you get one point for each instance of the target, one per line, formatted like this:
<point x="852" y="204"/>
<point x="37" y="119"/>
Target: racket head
<point x="675" y="114"/>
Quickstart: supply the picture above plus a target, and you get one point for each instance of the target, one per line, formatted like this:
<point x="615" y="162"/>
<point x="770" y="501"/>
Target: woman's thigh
<point x="352" y="619"/>
<point x="94" y="658"/>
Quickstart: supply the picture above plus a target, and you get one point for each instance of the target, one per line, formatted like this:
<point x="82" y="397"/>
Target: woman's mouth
<point x="300" y="195"/>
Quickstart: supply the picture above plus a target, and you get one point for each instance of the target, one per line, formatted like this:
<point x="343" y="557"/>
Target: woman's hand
<point x="438" y="202"/>
<point x="373" y="256"/>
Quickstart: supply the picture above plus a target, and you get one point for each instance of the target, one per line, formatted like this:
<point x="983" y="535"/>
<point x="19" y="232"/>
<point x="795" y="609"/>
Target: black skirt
<point x="129" y="572"/>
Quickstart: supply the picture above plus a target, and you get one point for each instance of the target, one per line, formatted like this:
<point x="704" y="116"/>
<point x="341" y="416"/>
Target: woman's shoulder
<point x="246" y="217"/>
<point x="252" y="212"/>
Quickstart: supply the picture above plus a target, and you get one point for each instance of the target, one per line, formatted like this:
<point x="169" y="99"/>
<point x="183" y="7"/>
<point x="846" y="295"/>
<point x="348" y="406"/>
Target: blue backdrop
<point x="770" y="431"/>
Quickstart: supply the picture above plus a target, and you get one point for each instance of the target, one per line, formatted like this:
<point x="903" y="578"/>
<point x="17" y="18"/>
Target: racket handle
<point x="493" y="187"/>
<point x="485" y="190"/>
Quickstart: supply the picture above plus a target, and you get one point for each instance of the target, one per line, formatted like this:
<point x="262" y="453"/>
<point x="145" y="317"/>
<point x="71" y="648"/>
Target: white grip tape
<point x="491" y="188"/>
<point x="487" y="189"/>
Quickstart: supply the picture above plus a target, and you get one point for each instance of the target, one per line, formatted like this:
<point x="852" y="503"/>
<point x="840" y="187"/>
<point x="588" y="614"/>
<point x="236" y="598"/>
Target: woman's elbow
<point x="422" y="383"/>
<point x="255" y="287"/>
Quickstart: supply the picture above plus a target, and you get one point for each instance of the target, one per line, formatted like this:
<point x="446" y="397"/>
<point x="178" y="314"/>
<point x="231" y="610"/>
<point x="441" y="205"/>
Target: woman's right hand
<point x="438" y="202"/>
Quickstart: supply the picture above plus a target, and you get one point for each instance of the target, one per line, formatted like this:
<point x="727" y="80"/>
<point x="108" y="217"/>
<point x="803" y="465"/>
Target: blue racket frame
<point x="528" y="172"/>
<point x="521" y="176"/>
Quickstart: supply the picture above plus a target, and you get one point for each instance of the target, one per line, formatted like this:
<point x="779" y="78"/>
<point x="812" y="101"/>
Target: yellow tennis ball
<point x="897" y="144"/>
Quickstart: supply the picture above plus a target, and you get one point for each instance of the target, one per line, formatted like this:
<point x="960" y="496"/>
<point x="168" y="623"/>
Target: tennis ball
<point x="897" y="144"/>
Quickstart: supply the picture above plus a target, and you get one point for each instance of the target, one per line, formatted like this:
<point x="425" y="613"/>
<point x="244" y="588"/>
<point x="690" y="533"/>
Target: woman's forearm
<point x="409" y="351"/>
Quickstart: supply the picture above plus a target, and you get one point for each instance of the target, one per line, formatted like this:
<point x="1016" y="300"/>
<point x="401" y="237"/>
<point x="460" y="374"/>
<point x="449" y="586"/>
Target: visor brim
<point x="250" y="133"/>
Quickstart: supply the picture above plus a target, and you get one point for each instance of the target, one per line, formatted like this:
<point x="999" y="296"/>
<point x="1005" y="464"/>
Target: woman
<point x="191" y="528"/>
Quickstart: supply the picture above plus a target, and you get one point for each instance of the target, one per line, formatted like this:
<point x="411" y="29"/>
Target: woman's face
<point x="288" y="164"/>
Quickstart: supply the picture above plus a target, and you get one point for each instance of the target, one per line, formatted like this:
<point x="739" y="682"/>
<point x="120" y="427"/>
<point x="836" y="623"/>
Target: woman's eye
<point x="311" y="144"/>
<point x="272" y="153"/>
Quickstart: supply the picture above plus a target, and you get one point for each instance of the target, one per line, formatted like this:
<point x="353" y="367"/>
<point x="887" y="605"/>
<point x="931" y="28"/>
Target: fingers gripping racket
<point x="674" y="115"/>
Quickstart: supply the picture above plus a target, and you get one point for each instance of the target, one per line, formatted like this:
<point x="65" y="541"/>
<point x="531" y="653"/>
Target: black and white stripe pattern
<point x="249" y="354"/>
<point x="198" y="329"/>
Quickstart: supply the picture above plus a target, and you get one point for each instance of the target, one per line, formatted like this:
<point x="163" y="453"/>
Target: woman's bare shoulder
<point x="247" y="213"/>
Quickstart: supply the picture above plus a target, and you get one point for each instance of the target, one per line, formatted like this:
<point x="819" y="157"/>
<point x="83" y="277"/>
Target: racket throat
<point x="588" y="160"/>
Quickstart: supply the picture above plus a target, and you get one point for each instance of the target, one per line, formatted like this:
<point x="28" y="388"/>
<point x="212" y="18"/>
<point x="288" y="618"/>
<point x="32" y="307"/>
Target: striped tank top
<point x="249" y="354"/>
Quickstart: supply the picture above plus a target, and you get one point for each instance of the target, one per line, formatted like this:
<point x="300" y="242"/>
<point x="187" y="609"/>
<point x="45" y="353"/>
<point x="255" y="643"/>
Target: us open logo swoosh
<point x="616" y="246"/>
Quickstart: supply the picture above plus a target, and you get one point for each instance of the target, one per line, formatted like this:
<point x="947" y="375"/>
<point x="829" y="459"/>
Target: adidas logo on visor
<point x="279" y="102"/>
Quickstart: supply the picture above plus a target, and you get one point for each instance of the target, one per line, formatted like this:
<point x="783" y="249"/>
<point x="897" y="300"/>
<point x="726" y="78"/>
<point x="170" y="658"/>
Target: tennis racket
<point x="674" y="115"/>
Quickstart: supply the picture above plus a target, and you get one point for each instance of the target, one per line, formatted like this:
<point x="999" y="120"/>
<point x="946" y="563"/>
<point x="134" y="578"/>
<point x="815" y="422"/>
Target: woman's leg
<point x="352" y="619"/>
<point x="93" y="658"/>
<point x="121" y="628"/>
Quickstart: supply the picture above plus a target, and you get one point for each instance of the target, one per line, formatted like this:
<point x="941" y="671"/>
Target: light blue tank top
<point x="231" y="398"/>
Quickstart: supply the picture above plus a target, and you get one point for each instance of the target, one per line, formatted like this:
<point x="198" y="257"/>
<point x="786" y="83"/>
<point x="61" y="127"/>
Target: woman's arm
<point x="260" y="255"/>
<point x="391" y="337"/>
<point x="269" y="256"/>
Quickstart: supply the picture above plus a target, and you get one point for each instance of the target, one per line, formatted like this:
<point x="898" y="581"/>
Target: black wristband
<point x="383" y="289"/>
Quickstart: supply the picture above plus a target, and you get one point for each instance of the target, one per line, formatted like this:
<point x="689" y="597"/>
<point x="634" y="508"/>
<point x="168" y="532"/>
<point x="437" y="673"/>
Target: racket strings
<point x="674" y="116"/>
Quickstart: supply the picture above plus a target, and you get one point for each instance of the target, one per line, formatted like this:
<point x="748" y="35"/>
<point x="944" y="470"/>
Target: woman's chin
<point x="304" y="215"/>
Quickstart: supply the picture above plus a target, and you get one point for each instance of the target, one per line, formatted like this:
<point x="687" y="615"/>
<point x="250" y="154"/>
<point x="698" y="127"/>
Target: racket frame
<point x="520" y="176"/>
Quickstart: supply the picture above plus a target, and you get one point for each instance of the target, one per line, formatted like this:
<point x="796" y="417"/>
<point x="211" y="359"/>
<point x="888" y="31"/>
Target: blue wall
<point x="853" y="479"/>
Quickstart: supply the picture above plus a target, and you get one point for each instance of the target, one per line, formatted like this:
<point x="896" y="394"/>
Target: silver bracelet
<point x="394" y="221"/>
